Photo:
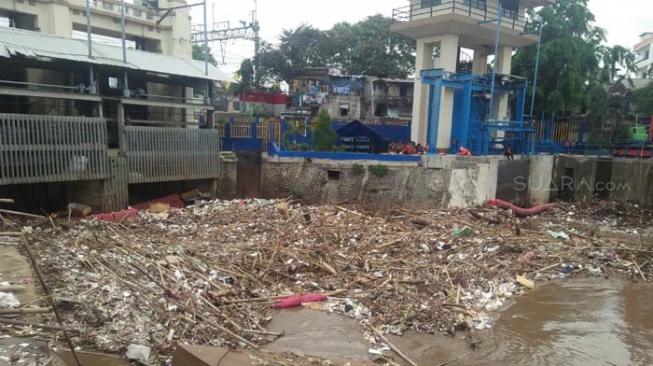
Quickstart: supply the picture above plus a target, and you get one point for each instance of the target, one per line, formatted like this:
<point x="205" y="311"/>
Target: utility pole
<point x="125" y="88"/>
<point x="247" y="30"/>
<point x="496" y="60"/>
<point x="91" y="72"/>
<point x="206" y="43"/>
<point x="537" y="67"/>
<point x="257" y="43"/>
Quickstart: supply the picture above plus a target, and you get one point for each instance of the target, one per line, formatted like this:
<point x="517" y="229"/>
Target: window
<point x="137" y="13"/>
<point x="114" y="83"/>
<point x="333" y="174"/>
<point x="107" y="6"/>
<point x="344" y="110"/>
<point x="403" y="91"/>
<point x="510" y="8"/>
<point x="477" y="4"/>
<point x="6" y="22"/>
<point x="430" y="3"/>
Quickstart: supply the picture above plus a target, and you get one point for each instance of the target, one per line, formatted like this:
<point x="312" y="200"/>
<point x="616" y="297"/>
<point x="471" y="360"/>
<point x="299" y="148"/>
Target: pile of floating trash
<point x="211" y="273"/>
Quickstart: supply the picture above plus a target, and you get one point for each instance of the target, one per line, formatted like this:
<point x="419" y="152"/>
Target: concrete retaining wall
<point x="392" y="185"/>
<point x="632" y="181"/>
<point x="626" y="180"/>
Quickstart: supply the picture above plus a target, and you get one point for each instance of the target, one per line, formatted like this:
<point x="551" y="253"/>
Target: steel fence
<point x="44" y="148"/>
<point x="158" y="154"/>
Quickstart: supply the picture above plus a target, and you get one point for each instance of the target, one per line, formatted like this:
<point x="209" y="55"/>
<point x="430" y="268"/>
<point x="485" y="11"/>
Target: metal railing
<point x="44" y="148"/>
<point x="159" y="154"/>
<point x="80" y="88"/>
<point x="477" y="9"/>
<point x="241" y="128"/>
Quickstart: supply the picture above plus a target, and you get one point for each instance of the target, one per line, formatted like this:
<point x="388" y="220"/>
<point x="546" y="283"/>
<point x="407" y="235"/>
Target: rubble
<point x="210" y="273"/>
<point x="139" y="353"/>
<point x="8" y="301"/>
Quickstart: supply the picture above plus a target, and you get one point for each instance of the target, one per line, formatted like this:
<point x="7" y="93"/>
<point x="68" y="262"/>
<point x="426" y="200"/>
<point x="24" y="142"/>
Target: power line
<point x="223" y="32"/>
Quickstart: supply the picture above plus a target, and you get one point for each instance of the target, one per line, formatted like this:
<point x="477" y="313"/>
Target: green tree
<point x="364" y="48"/>
<point x="302" y="47"/>
<point x="569" y="60"/>
<point x="245" y="76"/>
<point x="198" y="54"/>
<point x="273" y="65"/>
<point x="644" y="100"/>
<point x="370" y="48"/>
<point x="596" y="113"/>
<point x="616" y="59"/>
<point x="324" y="137"/>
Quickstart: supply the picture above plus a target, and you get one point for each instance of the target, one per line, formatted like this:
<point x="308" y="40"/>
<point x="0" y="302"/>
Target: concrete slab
<point x="65" y="358"/>
<point x="317" y="333"/>
<point x="15" y="268"/>
<point x="188" y="355"/>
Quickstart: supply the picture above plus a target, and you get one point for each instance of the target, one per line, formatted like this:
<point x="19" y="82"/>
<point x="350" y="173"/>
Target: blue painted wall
<point x="391" y="133"/>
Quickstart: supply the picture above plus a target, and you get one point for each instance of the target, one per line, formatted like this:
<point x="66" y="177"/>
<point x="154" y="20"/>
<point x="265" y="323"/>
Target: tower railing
<point x="477" y="9"/>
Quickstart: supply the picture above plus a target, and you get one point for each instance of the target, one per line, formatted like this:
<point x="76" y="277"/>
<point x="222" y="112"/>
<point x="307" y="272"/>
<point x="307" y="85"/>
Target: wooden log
<point x="12" y="288"/>
<point x="55" y="328"/>
<point x="25" y="311"/>
<point x="23" y="214"/>
<point x="393" y="347"/>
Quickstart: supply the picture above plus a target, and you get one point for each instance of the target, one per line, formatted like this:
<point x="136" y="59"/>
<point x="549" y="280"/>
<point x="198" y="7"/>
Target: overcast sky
<point x="624" y="20"/>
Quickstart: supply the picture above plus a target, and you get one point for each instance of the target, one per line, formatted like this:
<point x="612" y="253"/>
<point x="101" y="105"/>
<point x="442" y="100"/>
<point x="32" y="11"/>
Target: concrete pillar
<point x="56" y="20"/>
<point x="539" y="180"/>
<point x="424" y="60"/>
<point x="448" y="62"/>
<point x="504" y="66"/>
<point x="479" y="63"/>
<point x="179" y="37"/>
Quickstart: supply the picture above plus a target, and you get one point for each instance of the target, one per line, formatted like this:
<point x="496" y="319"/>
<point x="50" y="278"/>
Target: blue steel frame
<point x="476" y="134"/>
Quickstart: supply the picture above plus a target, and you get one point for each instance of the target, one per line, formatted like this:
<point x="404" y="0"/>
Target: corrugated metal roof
<point x="14" y="42"/>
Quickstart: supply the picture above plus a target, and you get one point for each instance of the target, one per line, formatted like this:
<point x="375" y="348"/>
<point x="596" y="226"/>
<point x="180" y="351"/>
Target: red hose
<point x="520" y="211"/>
<point x="297" y="300"/>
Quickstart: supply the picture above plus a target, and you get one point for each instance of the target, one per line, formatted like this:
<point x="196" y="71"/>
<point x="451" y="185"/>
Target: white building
<point x="644" y="52"/>
<point x="449" y="25"/>
<point x="145" y="28"/>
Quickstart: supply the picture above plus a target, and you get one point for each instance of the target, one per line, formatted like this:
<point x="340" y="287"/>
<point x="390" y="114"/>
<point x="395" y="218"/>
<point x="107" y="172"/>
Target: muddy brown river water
<point x="576" y="322"/>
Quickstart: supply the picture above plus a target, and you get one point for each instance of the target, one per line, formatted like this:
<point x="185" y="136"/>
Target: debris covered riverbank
<point x="210" y="273"/>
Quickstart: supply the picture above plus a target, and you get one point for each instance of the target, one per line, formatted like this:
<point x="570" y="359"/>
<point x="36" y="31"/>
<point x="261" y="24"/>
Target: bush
<point x="297" y="191"/>
<point x="358" y="169"/>
<point x="378" y="170"/>
<point x="324" y="137"/>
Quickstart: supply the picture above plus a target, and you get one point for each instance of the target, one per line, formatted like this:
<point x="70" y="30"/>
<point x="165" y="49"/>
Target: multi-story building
<point x="388" y="98"/>
<point x="93" y="119"/>
<point x="146" y="28"/>
<point x="353" y="97"/>
<point x="644" y="52"/>
<point x="449" y="25"/>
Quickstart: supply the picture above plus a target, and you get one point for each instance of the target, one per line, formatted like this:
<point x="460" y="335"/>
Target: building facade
<point x="93" y="122"/>
<point x="644" y="51"/>
<point x="145" y="27"/>
<point x="352" y="97"/>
